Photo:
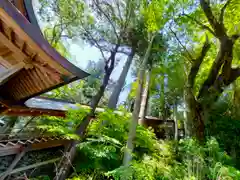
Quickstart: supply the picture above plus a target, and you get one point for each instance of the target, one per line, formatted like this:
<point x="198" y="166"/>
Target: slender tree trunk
<point x="25" y="125"/>
<point x="145" y="97"/>
<point x="133" y="126"/>
<point x="70" y="152"/>
<point x="7" y="129"/>
<point x="236" y="98"/>
<point x="162" y="96"/>
<point x="185" y="115"/>
<point x="175" y="122"/>
<point x="113" y="100"/>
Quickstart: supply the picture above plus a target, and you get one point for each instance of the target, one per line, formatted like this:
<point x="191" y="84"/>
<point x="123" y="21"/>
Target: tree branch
<point x="118" y="9"/>
<point x="208" y="12"/>
<point x="90" y="37"/>
<point x="221" y="17"/>
<point x="218" y="29"/>
<point x="222" y="62"/>
<point x="96" y="2"/>
<point x="220" y="84"/>
<point x="197" y="63"/>
<point x="108" y="48"/>
<point x="189" y="54"/>
<point x="200" y="24"/>
<point x="234" y="74"/>
<point x="235" y="37"/>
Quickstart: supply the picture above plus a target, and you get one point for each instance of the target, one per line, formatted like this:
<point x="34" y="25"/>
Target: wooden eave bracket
<point x="8" y="41"/>
<point x="9" y="73"/>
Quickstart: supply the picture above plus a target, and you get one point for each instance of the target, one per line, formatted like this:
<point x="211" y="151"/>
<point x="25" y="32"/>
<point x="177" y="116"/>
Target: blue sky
<point x="82" y="53"/>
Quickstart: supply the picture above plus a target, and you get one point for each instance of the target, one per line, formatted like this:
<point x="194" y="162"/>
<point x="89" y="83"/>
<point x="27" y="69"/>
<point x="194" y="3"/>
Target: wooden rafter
<point x="25" y="38"/>
<point x="9" y="73"/>
<point x="5" y="63"/>
<point x="44" y="68"/>
<point x="10" y="34"/>
<point x="18" y="53"/>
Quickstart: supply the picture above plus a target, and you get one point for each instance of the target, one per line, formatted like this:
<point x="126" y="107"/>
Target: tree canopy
<point x="184" y="60"/>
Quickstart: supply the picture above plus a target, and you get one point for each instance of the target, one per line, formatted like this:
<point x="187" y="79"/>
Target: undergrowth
<point x="100" y="153"/>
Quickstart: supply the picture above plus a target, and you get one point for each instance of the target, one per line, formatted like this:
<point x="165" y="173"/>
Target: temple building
<point x="29" y="66"/>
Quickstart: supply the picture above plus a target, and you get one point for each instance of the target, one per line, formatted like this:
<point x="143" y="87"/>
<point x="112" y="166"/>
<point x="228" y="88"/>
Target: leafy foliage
<point x="179" y="29"/>
<point x="100" y="153"/>
<point x="187" y="160"/>
<point x="102" y="148"/>
<point x="225" y="133"/>
<point x="65" y="127"/>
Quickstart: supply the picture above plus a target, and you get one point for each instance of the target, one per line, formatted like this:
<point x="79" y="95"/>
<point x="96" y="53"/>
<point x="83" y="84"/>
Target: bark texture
<point x="220" y="76"/>
<point x="144" y="99"/>
<point x="113" y="100"/>
<point x="236" y="98"/>
<point x="195" y="111"/>
<point x="133" y="126"/>
<point x="175" y="122"/>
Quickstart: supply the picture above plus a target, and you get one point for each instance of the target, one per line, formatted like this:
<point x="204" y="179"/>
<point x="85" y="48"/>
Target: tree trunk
<point x="175" y="122"/>
<point x="133" y="126"/>
<point x="113" y="100"/>
<point x="185" y="115"/>
<point x="196" y="115"/>
<point x="162" y="96"/>
<point x="7" y="129"/>
<point x="144" y="99"/>
<point x="236" y="98"/>
<point x="66" y="162"/>
<point x="25" y="125"/>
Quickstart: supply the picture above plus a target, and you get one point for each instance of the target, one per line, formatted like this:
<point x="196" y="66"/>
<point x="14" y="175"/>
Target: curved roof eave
<point x="35" y="34"/>
<point x="30" y="13"/>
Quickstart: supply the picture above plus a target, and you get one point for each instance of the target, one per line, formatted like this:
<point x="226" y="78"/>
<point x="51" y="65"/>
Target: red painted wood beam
<point x="25" y="111"/>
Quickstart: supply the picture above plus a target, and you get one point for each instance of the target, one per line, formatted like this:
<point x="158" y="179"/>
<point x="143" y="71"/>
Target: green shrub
<point x="102" y="149"/>
<point x="62" y="126"/>
<point x="100" y="153"/>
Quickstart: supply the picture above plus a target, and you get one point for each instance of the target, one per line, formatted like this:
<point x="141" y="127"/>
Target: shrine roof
<point x="29" y="65"/>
